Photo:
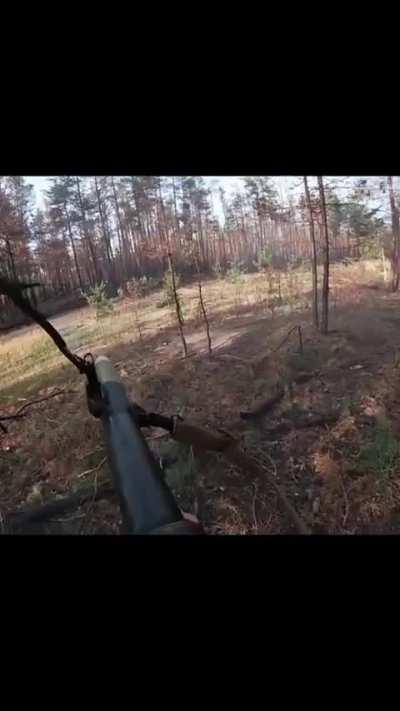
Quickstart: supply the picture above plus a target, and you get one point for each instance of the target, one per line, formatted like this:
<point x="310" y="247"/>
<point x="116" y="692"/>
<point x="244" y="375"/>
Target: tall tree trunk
<point x="223" y="249"/>
<point x="175" y="208"/>
<point x="138" y="213"/>
<point x="122" y="237"/>
<point x="11" y="260"/>
<point x="164" y="216"/>
<point x="109" y="267"/>
<point x="71" y="239"/>
<point x="88" y="238"/>
<point x="179" y="317"/>
<point x="69" y="278"/>
<point x="313" y="255"/>
<point x="396" y="237"/>
<point x="106" y="237"/>
<point x="325" y="281"/>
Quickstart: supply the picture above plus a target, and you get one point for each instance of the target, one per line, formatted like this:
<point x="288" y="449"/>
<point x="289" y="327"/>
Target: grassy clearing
<point x="32" y="353"/>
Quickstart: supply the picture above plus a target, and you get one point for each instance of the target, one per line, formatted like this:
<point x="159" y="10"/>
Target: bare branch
<point x="14" y="292"/>
<point x="19" y="414"/>
<point x="295" y="328"/>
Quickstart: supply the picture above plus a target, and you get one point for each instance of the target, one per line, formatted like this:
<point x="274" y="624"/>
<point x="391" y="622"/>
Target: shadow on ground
<point x="60" y="440"/>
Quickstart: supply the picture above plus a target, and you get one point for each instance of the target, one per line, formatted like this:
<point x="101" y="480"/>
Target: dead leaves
<point x="344" y="428"/>
<point x="325" y="466"/>
<point x="10" y="442"/>
<point x="372" y="408"/>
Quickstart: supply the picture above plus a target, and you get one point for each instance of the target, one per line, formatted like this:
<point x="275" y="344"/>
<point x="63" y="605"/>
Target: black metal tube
<point x="147" y="504"/>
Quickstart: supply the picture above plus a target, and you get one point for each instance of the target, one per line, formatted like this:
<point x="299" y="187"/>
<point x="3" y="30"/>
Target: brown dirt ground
<point x="322" y="469"/>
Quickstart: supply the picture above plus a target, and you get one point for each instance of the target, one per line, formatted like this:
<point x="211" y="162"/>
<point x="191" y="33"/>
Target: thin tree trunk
<point x="70" y="280"/>
<point x="71" y="238"/>
<point x="123" y="246"/>
<point x="175" y="207"/>
<point x="396" y="236"/>
<point x="109" y="266"/>
<point x="106" y="237"/>
<point x="177" y="304"/>
<point x="202" y="306"/>
<point x="142" y="236"/>
<point x="313" y="255"/>
<point x="11" y="260"/>
<point x="325" y="281"/>
<point x="88" y="238"/>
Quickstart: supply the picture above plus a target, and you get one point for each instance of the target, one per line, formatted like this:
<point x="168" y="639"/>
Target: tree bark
<point x="106" y="237"/>
<point x="86" y="233"/>
<point x="396" y="237"/>
<point x="123" y="248"/>
<point x="325" y="281"/>
<point x="11" y="260"/>
<point x="177" y="305"/>
<point x="177" y="228"/>
<point x="203" y="308"/>
<point x="71" y="238"/>
<point x="313" y="255"/>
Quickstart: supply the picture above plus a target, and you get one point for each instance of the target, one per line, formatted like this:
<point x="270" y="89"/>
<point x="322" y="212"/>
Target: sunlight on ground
<point x="33" y="353"/>
<point x="356" y="363"/>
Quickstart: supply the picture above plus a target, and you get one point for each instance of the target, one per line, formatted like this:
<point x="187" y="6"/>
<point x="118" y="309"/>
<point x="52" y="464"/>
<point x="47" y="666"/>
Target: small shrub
<point x="234" y="274"/>
<point x="97" y="297"/>
<point x="135" y="288"/>
<point x="142" y="286"/>
<point x="260" y="295"/>
<point x="371" y="248"/>
<point x="382" y="453"/>
<point x="264" y="259"/>
<point x="273" y="302"/>
<point x="218" y="271"/>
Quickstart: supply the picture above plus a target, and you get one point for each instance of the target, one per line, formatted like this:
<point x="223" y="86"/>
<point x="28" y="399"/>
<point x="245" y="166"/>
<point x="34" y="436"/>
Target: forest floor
<point x="341" y="475"/>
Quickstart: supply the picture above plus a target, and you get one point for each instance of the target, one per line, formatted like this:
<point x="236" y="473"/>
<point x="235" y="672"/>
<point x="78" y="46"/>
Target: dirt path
<point x="64" y="323"/>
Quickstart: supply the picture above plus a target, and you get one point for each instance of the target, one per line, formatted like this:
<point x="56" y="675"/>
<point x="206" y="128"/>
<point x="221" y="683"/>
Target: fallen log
<point x="317" y="421"/>
<point x="303" y="377"/>
<point x="34" y="514"/>
<point x="265" y="406"/>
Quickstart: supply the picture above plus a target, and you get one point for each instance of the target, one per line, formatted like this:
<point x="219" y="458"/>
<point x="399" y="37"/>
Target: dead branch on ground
<point x="93" y="469"/>
<point x="265" y="406"/>
<point x="316" y="421"/>
<point x="295" y="328"/>
<point x="55" y="507"/>
<point x="19" y="414"/>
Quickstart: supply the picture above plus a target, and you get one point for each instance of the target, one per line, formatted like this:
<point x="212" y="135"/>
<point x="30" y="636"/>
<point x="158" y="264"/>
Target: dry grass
<point x="59" y="440"/>
<point x="29" y="352"/>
